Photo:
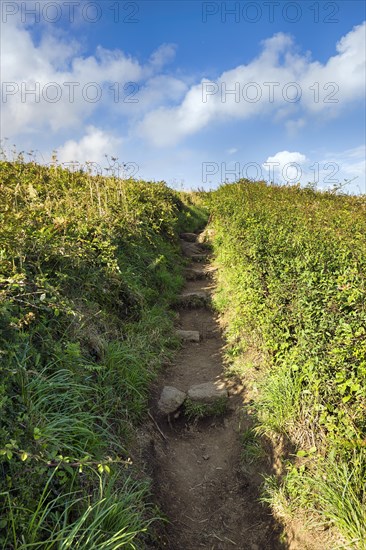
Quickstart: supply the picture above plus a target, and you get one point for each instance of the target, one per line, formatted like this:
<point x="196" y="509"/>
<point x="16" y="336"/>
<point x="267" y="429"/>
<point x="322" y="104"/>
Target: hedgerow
<point x="292" y="285"/>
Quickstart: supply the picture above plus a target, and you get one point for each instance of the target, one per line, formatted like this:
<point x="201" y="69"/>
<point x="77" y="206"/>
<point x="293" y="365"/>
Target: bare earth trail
<point x="200" y="484"/>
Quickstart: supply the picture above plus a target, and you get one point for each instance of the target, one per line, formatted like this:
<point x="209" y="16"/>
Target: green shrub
<point x="292" y="284"/>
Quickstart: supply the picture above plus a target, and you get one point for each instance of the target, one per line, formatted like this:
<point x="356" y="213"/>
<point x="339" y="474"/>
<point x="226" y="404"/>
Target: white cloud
<point x="52" y="86"/>
<point x="157" y="90"/>
<point x="171" y="107"/>
<point x="92" y="147"/>
<point x="293" y="126"/>
<point x="293" y="86"/>
<point x="345" y="165"/>
<point x="163" y="55"/>
<point x="237" y="94"/>
<point x="285" y="165"/>
<point x="346" y="71"/>
<point x="326" y="171"/>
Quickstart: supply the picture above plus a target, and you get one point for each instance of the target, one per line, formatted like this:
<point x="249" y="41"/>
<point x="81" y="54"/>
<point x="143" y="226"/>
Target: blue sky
<point x="189" y="92"/>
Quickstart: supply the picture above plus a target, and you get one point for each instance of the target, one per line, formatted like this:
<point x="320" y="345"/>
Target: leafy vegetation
<point x="292" y="284"/>
<point x="89" y="267"/>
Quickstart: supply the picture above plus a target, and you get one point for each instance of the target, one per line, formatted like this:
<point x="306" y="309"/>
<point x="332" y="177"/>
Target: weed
<point x="195" y="410"/>
<point x="339" y="489"/>
<point x="252" y="448"/>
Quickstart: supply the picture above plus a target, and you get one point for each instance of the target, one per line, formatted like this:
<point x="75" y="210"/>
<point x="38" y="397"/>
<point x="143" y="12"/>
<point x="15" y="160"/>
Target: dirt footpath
<point x="199" y="480"/>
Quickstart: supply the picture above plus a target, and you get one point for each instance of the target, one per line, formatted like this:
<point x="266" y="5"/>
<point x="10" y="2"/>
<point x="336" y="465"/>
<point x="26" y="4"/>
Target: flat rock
<point x="190" y="249"/>
<point x="189" y="335"/>
<point x="198" y="257"/>
<point x="171" y="399"/>
<point x="206" y="236"/>
<point x="189" y="237"/>
<point x="193" y="274"/>
<point x="208" y="393"/>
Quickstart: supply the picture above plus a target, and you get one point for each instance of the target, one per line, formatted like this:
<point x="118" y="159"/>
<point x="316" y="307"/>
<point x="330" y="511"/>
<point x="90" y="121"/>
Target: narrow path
<point x="201" y="486"/>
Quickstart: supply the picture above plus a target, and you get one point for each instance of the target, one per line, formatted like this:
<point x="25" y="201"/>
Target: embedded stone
<point x="199" y="257"/>
<point x="190" y="249"/>
<point x="189" y="335"/>
<point x="198" y="298"/>
<point x="171" y="399"/>
<point x="193" y="274"/>
<point x="208" y="392"/>
<point x="189" y="237"/>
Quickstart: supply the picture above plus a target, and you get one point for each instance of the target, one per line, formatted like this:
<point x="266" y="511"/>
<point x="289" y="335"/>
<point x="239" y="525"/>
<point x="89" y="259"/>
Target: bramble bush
<point x="292" y="285"/>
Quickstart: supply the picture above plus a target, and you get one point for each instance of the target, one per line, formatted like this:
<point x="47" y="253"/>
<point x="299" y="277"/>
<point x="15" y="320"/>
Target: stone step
<point x="199" y="257"/>
<point x="194" y="274"/>
<point x="207" y="393"/>
<point x="188" y="335"/>
<point x="206" y="236"/>
<point x="189" y="237"/>
<point x="199" y="298"/>
<point x="190" y="249"/>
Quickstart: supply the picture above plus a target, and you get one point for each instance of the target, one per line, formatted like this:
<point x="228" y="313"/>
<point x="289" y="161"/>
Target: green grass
<point x="340" y="492"/>
<point x="195" y="410"/>
<point x="331" y="489"/>
<point x="196" y="216"/>
<point x="281" y="401"/>
<point x="252" y="448"/>
<point x="109" y="519"/>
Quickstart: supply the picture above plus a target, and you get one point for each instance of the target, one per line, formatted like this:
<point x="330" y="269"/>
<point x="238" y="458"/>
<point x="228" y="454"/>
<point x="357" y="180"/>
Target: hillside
<point x="92" y="290"/>
<point x="89" y="266"/>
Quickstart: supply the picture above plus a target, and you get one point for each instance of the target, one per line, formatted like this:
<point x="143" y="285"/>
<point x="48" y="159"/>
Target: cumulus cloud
<point x="53" y="86"/>
<point x="293" y="86"/>
<point x="280" y="83"/>
<point x="159" y="89"/>
<point x="92" y="147"/>
<point x="285" y="165"/>
<point x="331" y="170"/>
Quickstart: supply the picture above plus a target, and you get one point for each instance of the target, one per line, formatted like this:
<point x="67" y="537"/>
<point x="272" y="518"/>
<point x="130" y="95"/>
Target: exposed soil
<point x="208" y="497"/>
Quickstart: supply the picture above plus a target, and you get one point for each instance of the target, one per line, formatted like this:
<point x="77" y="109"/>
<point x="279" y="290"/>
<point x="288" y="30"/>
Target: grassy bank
<point x="292" y="284"/>
<point x="89" y="267"/>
